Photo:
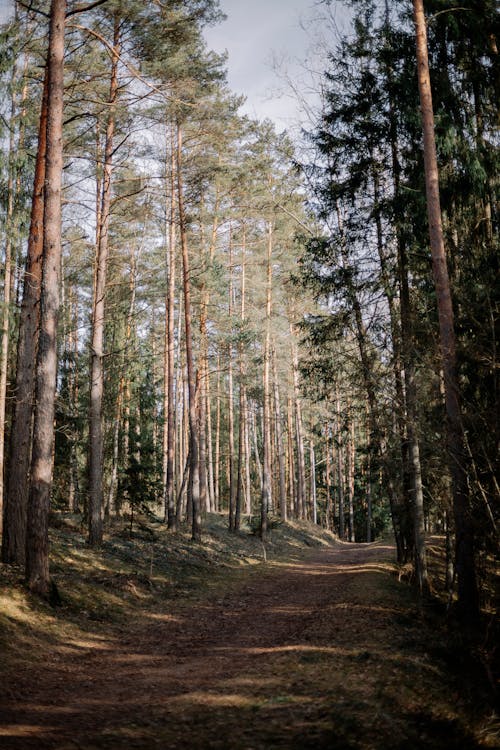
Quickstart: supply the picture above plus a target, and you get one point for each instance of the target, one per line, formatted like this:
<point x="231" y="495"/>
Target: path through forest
<point x="328" y="652"/>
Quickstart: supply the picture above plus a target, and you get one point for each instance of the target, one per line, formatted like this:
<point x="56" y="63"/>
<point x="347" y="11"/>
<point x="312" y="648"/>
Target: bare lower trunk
<point x="312" y="461"/>
<point x="280" y="446"/>
<point x="37" y="539"/>
<point x="292" y="480"/>
<point x="468" y="599"/>
<point x="210" y="452"/>
<point x="8" y="280"/>
<point x="351" y="452"/>
<point x="328" y="481"/>
<point x="299" y="432"/>
<point x="340" y="466"/>
<point x="217" y="442"/>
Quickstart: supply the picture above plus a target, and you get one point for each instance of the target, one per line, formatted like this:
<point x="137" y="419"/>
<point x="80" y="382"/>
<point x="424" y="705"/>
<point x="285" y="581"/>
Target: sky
<point x="271" y="43"/>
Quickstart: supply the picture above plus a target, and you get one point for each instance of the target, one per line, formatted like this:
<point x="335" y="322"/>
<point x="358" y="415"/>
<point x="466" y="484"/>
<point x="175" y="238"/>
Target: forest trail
<point x="326" y="652"/>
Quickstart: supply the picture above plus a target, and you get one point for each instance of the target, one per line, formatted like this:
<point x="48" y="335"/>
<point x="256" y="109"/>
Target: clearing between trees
<point x="211" y="646"/>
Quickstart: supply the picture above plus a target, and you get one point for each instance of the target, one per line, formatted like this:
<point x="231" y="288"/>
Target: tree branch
<point x="83" y="8"/>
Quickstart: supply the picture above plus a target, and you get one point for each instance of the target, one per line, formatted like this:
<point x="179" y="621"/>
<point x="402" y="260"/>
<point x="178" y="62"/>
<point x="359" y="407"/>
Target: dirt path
<point x="325" y="653"/>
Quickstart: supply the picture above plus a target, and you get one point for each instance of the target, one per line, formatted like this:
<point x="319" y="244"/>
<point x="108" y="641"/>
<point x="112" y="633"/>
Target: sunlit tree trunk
<point x="328" y="480"/>
<point x="280" y="446"/>
<point x="37" y="537"/>
<point x="351" y="453"/>
<point x="266" y="496"/>
<point x="16" y="500"/>
<point x="340" y="468"/>
<point x="230" y="393"/>
<point x="194" y="450"/>
<point x="242" y="399"/>
<point x="299" y="431"/>
<point x="8" y="278"/>
<point x="292" y="480"/>
<point x="312" y="462"/>
<point x="468" y="599"/>
<point x="210" y="451"/>
<point x="169" y="358"/>
<point x="217" y="439"/>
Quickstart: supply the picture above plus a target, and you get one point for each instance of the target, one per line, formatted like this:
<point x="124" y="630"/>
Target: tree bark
<point x="17" y="490"/>
<point x="230" y="393"/>
<point x="169" y="359"/>
<point x="299" y="432"/>
<point x="194" y="451"/>
<point x="96" y="446"/>
<point x="468" y="600"/>
<point x="37" y="537"/>
<point x="266" y="436"/>
<point x="280" y="446"/>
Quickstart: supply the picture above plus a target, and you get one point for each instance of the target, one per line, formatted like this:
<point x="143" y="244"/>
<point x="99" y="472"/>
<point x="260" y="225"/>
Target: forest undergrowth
<point x="304" y="642"/>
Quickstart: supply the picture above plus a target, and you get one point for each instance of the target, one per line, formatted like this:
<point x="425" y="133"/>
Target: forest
<point x="207" y="321"/>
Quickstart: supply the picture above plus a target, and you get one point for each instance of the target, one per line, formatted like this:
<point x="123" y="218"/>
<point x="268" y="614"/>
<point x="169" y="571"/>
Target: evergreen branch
<point x="134" y="72"/>
<point x="83" y="8"/>
<point x="31" y="9"/>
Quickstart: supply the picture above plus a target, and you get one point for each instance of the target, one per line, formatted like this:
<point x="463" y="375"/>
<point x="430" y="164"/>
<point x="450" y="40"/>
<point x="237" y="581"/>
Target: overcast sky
<point x="268" y="41"/>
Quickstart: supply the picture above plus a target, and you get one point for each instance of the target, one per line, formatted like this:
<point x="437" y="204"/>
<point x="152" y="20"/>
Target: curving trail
<point x="328" y="652"/>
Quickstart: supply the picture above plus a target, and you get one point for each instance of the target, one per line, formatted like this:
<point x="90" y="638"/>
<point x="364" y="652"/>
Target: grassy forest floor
<point x="163" y="643"/>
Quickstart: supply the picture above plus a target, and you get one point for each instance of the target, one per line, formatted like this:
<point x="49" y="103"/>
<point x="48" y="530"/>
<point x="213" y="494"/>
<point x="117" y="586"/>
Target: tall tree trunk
<point x="16" y="499"/>
<point x="410" y="445"/>
<point x="7" y="293"/>
<point x="468" y="599"/>
<point x="217" y="440"/>
<point x="340" y="467"/>
<point x="299" y="432"/>
<point x="169" y="359"/>
<point x="42" y="462"/>
<point x="312" y="461"/>
<point x="194" y="451"/>
<point x="248" y="455"/>
<point x="96" y="441"/>
<point x="210" y="451"/>
<point x="280" y="446"/>
<point x="351" y="453"/>
<point x="242" y="399"/>
<point x="292" y="479"/>
<point x="230" y="393"/>
<point x="328" y="481"/>
<point x="266" y="496"/>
